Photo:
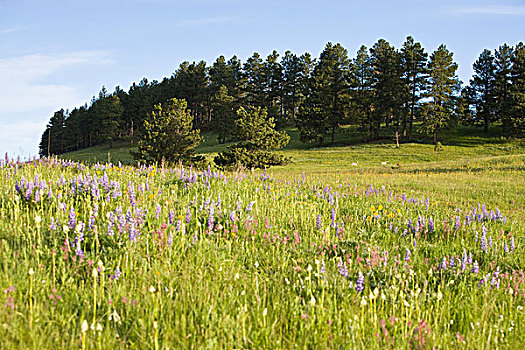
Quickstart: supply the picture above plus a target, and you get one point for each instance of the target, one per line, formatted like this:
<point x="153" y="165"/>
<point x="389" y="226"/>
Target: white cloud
<point x="504" y="10"/>
<point x="20" y="138"/>
<point x="21" y="86"/>
<point x="12" y="29"/>
<point x="203" y="21"/>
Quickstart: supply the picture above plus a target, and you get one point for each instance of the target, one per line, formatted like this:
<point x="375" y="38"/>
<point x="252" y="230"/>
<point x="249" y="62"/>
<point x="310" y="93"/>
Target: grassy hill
<point x="472" y="167"/>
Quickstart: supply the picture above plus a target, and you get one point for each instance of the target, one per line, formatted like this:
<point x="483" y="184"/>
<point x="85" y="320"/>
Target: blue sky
<point x="57" y="54"/>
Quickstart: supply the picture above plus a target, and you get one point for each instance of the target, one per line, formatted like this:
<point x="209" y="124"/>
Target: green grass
<point x="278" y="264"/>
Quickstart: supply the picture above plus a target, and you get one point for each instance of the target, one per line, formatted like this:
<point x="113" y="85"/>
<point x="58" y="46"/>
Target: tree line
<point x="381" y="88"/>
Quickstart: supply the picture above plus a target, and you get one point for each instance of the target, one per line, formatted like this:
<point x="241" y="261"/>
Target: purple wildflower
<point x="475" y="267"/>
<point x="407" y="255"/>
<point x="360" y="283"/>
<point x="319" y="222"/>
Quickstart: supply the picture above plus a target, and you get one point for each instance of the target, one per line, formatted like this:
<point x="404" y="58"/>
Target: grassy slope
<point x="471" y="168"/>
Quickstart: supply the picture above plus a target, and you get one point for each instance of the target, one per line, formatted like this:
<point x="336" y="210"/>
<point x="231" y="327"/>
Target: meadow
<point x="423" y="251"/>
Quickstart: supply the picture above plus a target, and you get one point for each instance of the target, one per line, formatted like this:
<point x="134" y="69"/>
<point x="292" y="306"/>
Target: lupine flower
<point x="117" y="274"/>
<point x="360" y="283"/>
<point x="72" y="218"/>
<point x="157" y="211"/>
<point x="319" y="222"/>
<point x="444" y="263"/>
<point x="53" y="225"/>
<point x="188" y="215"/>
<point x="452" y="262"/>
<point x="512" y="246"/>
<point x="332" y="225"/>
<point x="470" y="258"/>
<point x="323" y="267"/>
<point x="250" y="206"/>
<point x="211" y="218"/>
<point x="475" y="267"/>
<point x="343" y="270"/>
<point x="407" y="255"/>
<point x="431" y="225"/>
<point x="171" y="216"/>
<point x="506" y="248"/>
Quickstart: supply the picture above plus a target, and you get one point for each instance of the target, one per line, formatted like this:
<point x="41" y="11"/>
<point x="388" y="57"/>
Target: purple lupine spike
<point x="342" y="270"/>
<point x="323" y="267"/>
<point x="469" y="261"/>
<point x="53" y="225"/>
<point x="72" y="218"/>
<point x="452" y="262"/>
<point x="319" y="222"/>
<point x="431" y="225"/>
<point x="407" y="255"/>
<point x="475" y="267"/>
<point x="512" y="246"/>
<point x="211" y="218"/>
<point x="457" y="223"/>
<point x="360" y="283"/>
<point x="490" y="241"/>
<point x="188" y="215"/>
<point x="171" y="216"/>
<point x="443" y="265"/>
<point x="157" y="211"/>
<point x="332" y="217"/>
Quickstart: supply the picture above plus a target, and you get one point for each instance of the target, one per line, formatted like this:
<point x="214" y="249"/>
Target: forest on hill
<point x="380" y="87"/>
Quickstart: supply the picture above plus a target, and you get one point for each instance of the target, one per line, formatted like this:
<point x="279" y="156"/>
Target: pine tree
<point x="387" y="86"/>
<point x="273" y="83"/>
<point x="414" y="64"/>
<point x="254" y="81"/>
<point x="328" y="95"/>
<point x="223" y="119"/>
<point x="52" y="141"/>
<point x="483" y="87"/>
<point x="257" y="137"/>
<point x="169" y="134"/>
<point x="442" y="90"/>
<point x="518" y="92"/>
<point x="362" y="85"/>
<point x="108" y="112"/>
<point x="502" y="85"/>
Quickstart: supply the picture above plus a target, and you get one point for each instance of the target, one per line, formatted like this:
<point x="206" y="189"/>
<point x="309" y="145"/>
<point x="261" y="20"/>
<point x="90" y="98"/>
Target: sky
<point x="58" y="54"/>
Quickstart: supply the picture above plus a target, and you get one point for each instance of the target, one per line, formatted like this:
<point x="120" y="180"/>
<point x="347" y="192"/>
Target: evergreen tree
<point x="168" y="134"/>
<point x="257" y="138"/>
<point x="328" y="95"/>
<point x="223" y="107"/>
<point x="108" y="111"/>
<point x="483" y="88"/>
<point x="502" y="85"/>
<point x="362" y="85"/>
<point x="389" y="93"/>
<point x="52" y="141"/>
<point x="414" y="64"/>
<point x="517" y="121"/>
<point x="273" y="83"/>
<point x="254" y="81"/>
<point x="442" y="89"/>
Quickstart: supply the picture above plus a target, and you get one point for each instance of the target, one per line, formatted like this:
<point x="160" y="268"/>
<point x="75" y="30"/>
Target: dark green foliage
<point x="381" y="90"/>
<point x="442" y="89"/>
<point x="414" y="68"/>
<point x="257" y="138"/>
<point x="389" y="90"/>
<point x="327" y="99"/>
<point x="502" y="85"/>
<point x="517" y="120"/>
<point x="107" y="111"/>
<point x="168" y="134"/>
<point x="363" y="95"/>
<point x="52" y="141"/>
<point x="223" y="114"/>
<point x="482" y="87"/>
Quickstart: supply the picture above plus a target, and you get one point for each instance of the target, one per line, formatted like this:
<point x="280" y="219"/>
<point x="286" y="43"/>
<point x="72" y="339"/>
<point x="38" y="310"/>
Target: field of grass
<point x="317" y="254"/>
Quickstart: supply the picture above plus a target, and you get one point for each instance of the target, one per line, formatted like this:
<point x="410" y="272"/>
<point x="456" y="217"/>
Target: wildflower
<point x="84" y="328"/>
<point x="512" y="246"/>
<point x="407" y="255"/>
<point x="444" y="264"/>
<point x="475" y="267"/>
<point x="452" y="262"/>
<point x="117" y="274"/>
<point x="188" y="215"/>
<point x="31" y="272"/>
<point x="250" y="206"/>
<point x="319" y="222"/>
<point x="360" y="283"/>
